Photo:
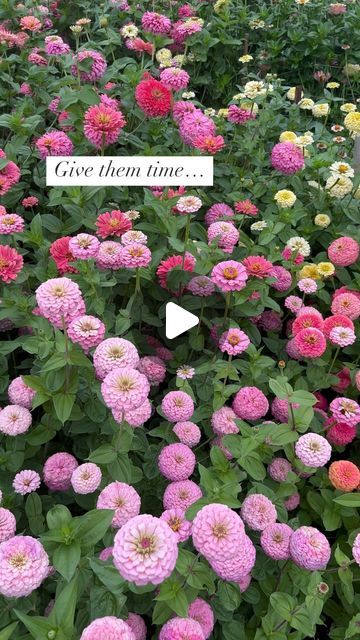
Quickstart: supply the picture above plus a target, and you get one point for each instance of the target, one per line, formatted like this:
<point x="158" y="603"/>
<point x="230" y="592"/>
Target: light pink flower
<point x="177" y="522"/>
<point x="19" y="393"/>
<point x="217" y="532"/>
<point x="201" y="611"/>
<point x="177" y="406"/>
<point x="182" y="494"/>
<point x="58" y="470"/>
<point x="309" y="548"/>
<point x="24" y="564"/>
<point x="107" y="628"/>
<point x="26" y="481"/>
<point x="188" y="433"/>
<point x="7" y="524"/>
<point x="123" y="499"/>
<point x="86" y="478"/>
<point x="176" y="462"/>
<point x="84" y="246"/>
<point x="114" y="353"/>
<point x="60" y="301"/>
<point x="229" y="276"/>
<point x="233" y="342"/>
<point x="237" y="565"/>
<point x="258" y="512"/>
<point x="87" y="331"/>
<point x="124" y="389"/>
<point x="181" y="629"/>
<point x="14" y="420"/>
<point x="250" y="403"/>
<point x="275" y="541"/>
<point x="342" y="336"/>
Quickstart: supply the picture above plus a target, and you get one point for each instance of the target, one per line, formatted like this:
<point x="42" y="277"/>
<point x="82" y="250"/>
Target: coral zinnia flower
<point x="170" y="263"/>
<point x="62" y="255"/>
<point x="257" y="266"/>
<point x="152" y="97"/>
<point x="113" y="223"/>
<point x="11" y="262"/>
<point x="102" y="124"/>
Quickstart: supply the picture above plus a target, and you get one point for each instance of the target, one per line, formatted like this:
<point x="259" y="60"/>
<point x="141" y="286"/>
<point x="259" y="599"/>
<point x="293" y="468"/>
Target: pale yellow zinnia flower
<point x="325" y="269"/>
<point x="285" y="198"/>
<point x="352" y="122"/>
<point x="322" y="220"/>
<point x="309" y="271"/>
<point x="288" y="136"/>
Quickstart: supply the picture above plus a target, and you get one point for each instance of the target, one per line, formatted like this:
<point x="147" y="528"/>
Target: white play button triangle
<point x="178" y="320"/>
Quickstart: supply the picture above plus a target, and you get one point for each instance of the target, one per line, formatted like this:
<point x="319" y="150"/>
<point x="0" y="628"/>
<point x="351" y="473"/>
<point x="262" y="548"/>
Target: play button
<point x="178" y="320"/>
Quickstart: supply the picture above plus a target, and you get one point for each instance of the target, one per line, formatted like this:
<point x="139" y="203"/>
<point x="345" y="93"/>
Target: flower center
<point x="58" y="291"/>
<point x="220" y="530"/>
<point x="18" y="560"/>
<point x="233" y="339"/>
<point x="3" y="263"/>
<point x="230" y="273"/>
<point x="145" y="545"/>
<point x="125" y="384"/>
<point x="115" y="353"/>
<point x="174" y="523"/>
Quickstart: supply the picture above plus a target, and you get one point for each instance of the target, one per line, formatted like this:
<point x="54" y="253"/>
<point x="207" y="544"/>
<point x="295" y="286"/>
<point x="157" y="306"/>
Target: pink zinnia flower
<point x="344" y="251"/>
<point x="175" y="78"/>
<point x="287" y="158"/>
<point x="103" y="124"/>
<point x="98" y="66"/>
<point x="309" y="548"/>
<point x="87" y="331"/>
<point x="347" y="304"/>
<point x="172" y="262"/>
<point x="195" y="124"/>
<point x="145" y="550"/>
<point x="14" y="420"/>
<point x="24" y="564"/>
<point x="182" y="494"/>
<point x="181" y="629"/>
<point x="311" y="343"/>
<point x="280" y="409"/>
<point x="134" y="236"/>
<point x="343" y="409"/>
<point x="175" y="518"/>
<point x="223" y="421"/>
<point x="293" y="303"/>
<point x="229" y="276"/>
<point x="217" y="532"/>
<point x="124" y="389"/>
<point x="356" y="549"/>
<point x="109" y="255"/>
<point x="7" y="524"/>
<point x="201" y="286"/>
<point x="11" y="223"/>
<point x="113" y="353"/>
<point x="258" y="512"/>
<point x="176" y="462"/>
<point x="283" y="278"/>
<point x="135" y="255"/>
<point x="188" y="204"/>
<point x="58" y="470"/>
<point x="201" y="611"/>
<point x="107" y="628"/>
<point x="340" y="433"/>
<point x="11" y="262"/>
<point x="238" y="115"/>
<point x="152" y="97"/>
<point x="188" y="433"/>
<point x="155" y="23"/>
<point x="246" y="207"/>
<point x="123" y="499"/>
<point x="60" y="301"/>
<point x="257" y="266"/>
<point x="307" y="285"/>
<point x="209" y="143"/>
<point x="30" y="23"/>
<point x="30" y="201"/>
<point x="62" y="256"/>
<point x="250" y="403"/>
<point x="177" y="405"/>
<point x="313" y="450"/>
<point x="279" y="469"/>
<point x="153" y="368"/>
<point x="307" y="320"/>
<point x="342" y="336"/>
<point x="275" y="541"/>
<point x="113" y="223"/>
<point x="54" y="143"/>
<point x="19" y="393"/>
<point x="237" y="565"/>
<point x="233" y="342"/>
<point x="218" y="211"/>
<point x="292" y="502"/>
<point x="55" y="46"/>
<point x="86" y="478"/>
<point x="225" y="234"/>
<point x="84" y="246"/>
<point x="135" y="417"/>
<point x="137" y="626"/>
<point x="26" y="481"/>
<point x="336" y="321"/>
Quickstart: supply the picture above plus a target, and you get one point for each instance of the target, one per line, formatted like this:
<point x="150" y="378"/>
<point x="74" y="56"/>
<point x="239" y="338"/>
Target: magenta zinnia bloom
<point x="107" y="628"/>
<point x="195" y="124"/>
<point x="175" y="78"/>
<point x="233" y="342"/>
<point x="176" y="462"/>
<point x="145" y="550"/>
<point x="98" y="66"/>
<point x="287" y="158"/>
<point x="250" y="403"/>
<point x="182" y="494"/>
<point x="218" y="211"/>
<point x="201" y="286"/>
<point x="58" y="470"/>
<point x="54" y="143"/>
<point x="123" y="499"/>
<point x="11" y="262"/>
<point x="177" y="405"/>
<point x="238" y="115"/>
<point x="24" y="564"/>
<point x="155" y="23"/>
<point x="124" y="389"/>
<point x="217" y="531"/>
<point x="229" y="276"/>
<point x="310" y="343"/>
<point x="258" y="512"/>
<point x="181" y="629"/>
<point x="188" y="433"/>
<point x="309" y="548"/>
<point x="102" y="125"/>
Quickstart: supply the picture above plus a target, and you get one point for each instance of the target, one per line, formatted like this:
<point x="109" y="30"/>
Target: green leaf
<point x="108" y="575"/>
<point x="92" y="526"/>
<point x="103" y="454"/>
<point x="348" y="500"/>
<point x="6" y="633"/>
<point x="63" y="404"/>
<point x="56" y="361"/>
<point x="253" y="465"/>
<point x="229" y="595"/>
<point x="63" y="612"/>
<point x="283" y="604"/>
<point x="38" y="627"/>
<point x="352" y="630"/>
<point x="58" y="516"/>
<point x="66" y="558"/>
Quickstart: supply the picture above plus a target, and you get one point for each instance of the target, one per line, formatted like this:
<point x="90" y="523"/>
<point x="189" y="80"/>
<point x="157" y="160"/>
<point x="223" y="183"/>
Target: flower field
<point x="205" y="487"/>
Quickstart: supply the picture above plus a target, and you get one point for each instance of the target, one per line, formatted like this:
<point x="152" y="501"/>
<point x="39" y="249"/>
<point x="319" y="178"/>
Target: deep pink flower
<point x="103" y="124"/>
<point x="11" y="263"/>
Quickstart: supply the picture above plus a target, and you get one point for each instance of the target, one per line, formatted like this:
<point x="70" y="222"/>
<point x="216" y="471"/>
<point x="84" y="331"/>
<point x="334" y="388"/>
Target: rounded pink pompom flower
<point x="283" y="278"/>
<point x="223" y="421"/>
<point x="217" y="531"/>
<point x="181" y="629"/>
<point x="278" y="469"/>
<point x="229" y="276"/>
<point x="347" y="304"/>
<point x="309" y="548"/>
<point x="135" y="417"/>
<point x="218" y="211"/>
<point x="311" y="343"/>
<point x="343" y="409"/>
<point x="19" y="393"/>
<point x="239" y="564"/>
<point x="145" y="550"/>
<point x="84" y="246"/>
<point x="225" y="234"/>
<point x="175" y="78"/>
<point x="59" y="301"/>
<point x="14" y="420"/>
<point x="181" y="494"/>
<point x="24" y="564"/>
<point x="58" y="470"/>
<point x="188" y="433"/>
<point x="105" y="554"/>
<point x="107" y="628"/>
<point x="292" y="502"/>
<point x="201" y="611"/>
<point x="176" y="462"/>
<point x="123" y="499"/>
<point x="258" y="512"/>
<point x="233" y="342"/>
<point x="54" y="143"/>
<point x="177" y="406"/>
<point x="201" y="286"/>
<point x="87" y="331"/>
<point x="342" y="336"/>
<point x="280" y="409"/>
<point x="155" y="23"/>
<point x="344" y="251"/>
<point x="313" y="450"/>
<point x="98" y="66"/>
<point x="153" y="368"/>
<point x="103" y="124"/>
<point x="356" y="549"/>
<point x="287" y="158"/>
<point x="177" y="522"/>
<point x="26" y="481"/>
<point x="109" y="255"/>
<point x="275" y="541"/>
<point x="114" y="353"/>
<point x="137" y="626"/>
<point x="124" y="389"/>
<point x="86" y="478"/>
<point x="250" y="404"/>
<point x="7" y="524"/>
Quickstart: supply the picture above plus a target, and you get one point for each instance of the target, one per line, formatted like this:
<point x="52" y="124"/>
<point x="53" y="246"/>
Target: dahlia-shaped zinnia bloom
<point x="344" y="410"/>
<point x="62" y="256"/>
<point x="307" y="320"/>
<point x="275" y="541"/>
<point x="155" y="23"/>
<point x="280" y="409"/>
<point x="250" y="403"/>
<point x="103" y="124"/>
<point x="313" y="450"/>
<point x="182" y="494"/>
<point x="257" y="267"/>
<point x="7" y="524"/>
<point x="233" y="342"/>
<point x="60" y="301"/>
<point x="344" y="475"/>
<point x="87" y="331"/>
<point x="123" y="499"/>
<point x="26" y="481"/>
<point x="287" y="158"/>
<point x="114" y="353"/>
<point x="209" y="143"/>
<point x="176" y="520"/>
<point x="109" y="255"/>
<point x="11" y="223"/>
<point x="54" y="143"/>
<point x="84" y="246"/>
<point x="86" y="478"/>
<point x="201" y="611"/>
<point x="145" y="550"/>
<point x="19" y="393"/>
<point x="135" y="255"/>
<point x="14" y="420"/>
<point x="124" y="389"/>
<point x="58" y="470"/>
<point x="153" y="368"/>
<point x="177" y="405"/>
<point x="218" y="211"/>
<point x="224" y="234"/>
<point x="340" y="433"/>
<point x="237" y="565"/>
<point x="217" y="531"/>
<point x="229" y="276"/>
<point x="238" y="115"/>
<point x="347" y="304"/>
<point x="309" y="549"/>
<point x="175" y="78"/>
<point x="223" y="421"/>
<point x="195" y="124"/>
<point x="176" y="462"/>
<point x="107" y="628"/>
<point x="153" y="98"/>
<point x="344" y="251"/>
<point x="98" y="66"/>
<point x="181" y="629"/>
<point x="279" y="469"/>
<point x="24" y="564"/>
<point x="135" y="417"/>
<point x="166" y="266"/>
<point x="283" y="278"/>
<point x="336" y="321"/>
<point x="310" y="343"/>
<point x="188" y="433"/>
<point x="258" y="512"/>
<point x="137" y="626"/>
<point x="112" y="223"/>
<point x="11" y="262"/>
